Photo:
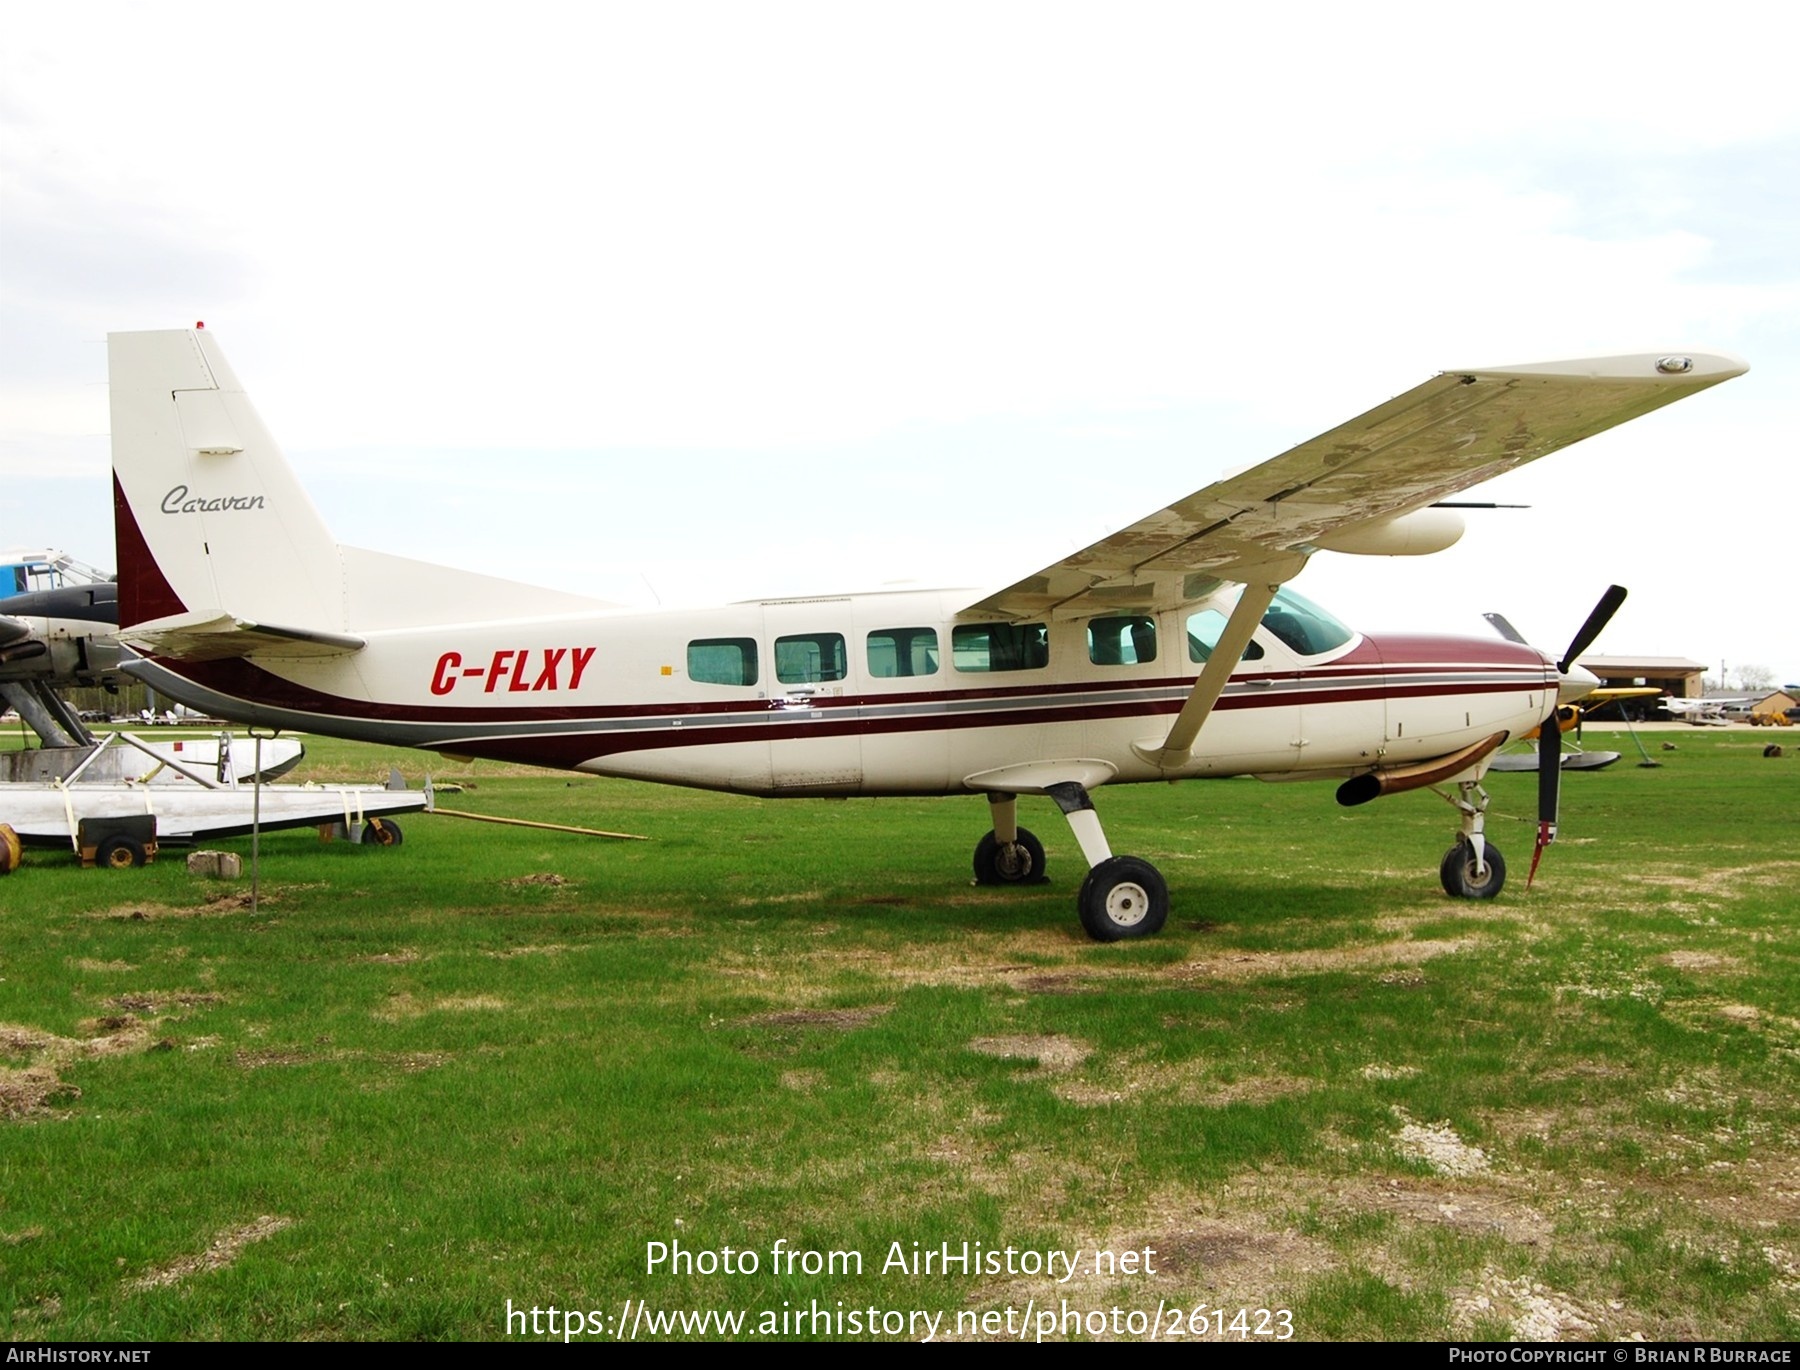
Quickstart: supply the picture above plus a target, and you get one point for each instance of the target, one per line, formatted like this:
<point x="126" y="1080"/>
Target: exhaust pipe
<point x="1360" y="789"/>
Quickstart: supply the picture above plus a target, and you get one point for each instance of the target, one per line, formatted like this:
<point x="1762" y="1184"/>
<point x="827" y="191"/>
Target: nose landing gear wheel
<point x="1020" y="862"/>
<point x="1123" y="897"/>
<point x="1463" y="881"/>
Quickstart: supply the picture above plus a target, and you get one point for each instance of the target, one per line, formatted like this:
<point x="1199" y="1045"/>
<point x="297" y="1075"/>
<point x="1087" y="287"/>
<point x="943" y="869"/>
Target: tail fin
<point x="209" y="518"/>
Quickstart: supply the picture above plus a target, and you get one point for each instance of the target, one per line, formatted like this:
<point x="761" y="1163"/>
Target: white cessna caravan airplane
<point x="1166" y="651"/>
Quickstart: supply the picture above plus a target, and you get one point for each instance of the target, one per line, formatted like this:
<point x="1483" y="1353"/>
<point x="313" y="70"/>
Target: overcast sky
<point x="688" y="302"/>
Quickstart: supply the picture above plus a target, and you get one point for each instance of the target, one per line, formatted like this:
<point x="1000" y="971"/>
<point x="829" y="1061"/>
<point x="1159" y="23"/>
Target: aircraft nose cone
<point x="1577" y="683"/>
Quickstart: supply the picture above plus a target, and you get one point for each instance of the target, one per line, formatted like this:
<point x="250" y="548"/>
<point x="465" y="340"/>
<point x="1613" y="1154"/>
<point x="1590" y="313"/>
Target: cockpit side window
<point x="1203" y="632"/>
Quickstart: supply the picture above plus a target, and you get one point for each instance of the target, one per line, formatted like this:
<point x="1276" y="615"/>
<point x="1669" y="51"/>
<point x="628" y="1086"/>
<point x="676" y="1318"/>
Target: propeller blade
<point x="1549" y="770"/>
<point x="1549" y="787"/>
<point x="1596" y="623"/>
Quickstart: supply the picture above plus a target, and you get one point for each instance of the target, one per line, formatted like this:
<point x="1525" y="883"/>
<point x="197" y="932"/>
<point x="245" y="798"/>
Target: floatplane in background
<point x="1701" y="713"/>
<point x="58" y="623"/>
<point x="1170" y="650"/>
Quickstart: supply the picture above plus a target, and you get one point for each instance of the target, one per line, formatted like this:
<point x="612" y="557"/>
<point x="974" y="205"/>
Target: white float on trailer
<point x="190" y="803"/>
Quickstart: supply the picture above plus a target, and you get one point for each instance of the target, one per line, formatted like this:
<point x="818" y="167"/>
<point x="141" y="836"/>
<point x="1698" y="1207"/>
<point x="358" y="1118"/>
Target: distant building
<point x="1667" y="675"/>
<point x="1770" y="704"/>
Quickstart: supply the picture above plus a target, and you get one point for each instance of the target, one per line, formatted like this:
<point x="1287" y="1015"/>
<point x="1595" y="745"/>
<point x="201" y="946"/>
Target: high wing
<point x="1353" y="488"/>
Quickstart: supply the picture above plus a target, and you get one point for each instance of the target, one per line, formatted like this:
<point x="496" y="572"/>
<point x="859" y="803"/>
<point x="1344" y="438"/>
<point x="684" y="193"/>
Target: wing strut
<point x="1179" y="744"/>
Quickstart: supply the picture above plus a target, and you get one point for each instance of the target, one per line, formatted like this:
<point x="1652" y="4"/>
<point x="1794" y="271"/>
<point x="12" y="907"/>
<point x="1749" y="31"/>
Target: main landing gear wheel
<point x="1123" y="897"/>
<point x="1019" y="862"/>
<point x="1463" y="881"/>
<point x="382" y="832"/>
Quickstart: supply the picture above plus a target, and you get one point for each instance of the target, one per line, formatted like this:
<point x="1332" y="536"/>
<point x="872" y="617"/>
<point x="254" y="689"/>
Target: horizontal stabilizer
<point x="197" y="637"/>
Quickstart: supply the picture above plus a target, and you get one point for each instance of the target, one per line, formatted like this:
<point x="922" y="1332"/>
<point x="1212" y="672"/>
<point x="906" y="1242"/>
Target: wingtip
<point x="1669" y="367"/>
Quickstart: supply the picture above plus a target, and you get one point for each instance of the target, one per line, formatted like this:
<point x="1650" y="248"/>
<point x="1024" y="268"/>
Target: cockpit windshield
<point x="1303" y="626"/>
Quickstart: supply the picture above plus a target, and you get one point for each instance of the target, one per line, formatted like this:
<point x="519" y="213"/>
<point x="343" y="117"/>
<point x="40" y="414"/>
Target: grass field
<point x="501" y="1065"/>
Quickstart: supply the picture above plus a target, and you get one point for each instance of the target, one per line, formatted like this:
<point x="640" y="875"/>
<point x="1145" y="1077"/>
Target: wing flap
<point x="1457" y="430"/>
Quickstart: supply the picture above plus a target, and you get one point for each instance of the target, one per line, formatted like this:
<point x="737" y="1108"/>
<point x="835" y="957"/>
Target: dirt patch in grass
<point x="1379" y="1070"/>
<point x="404" y="1005"/>
<point x="1056" y="984"/>
<point x="539" y="879"/>
<point x="399" y="1007"/>
<point x="222" y="1251"/>
<point x="407" y="1062"/>
<point x="1761" y="1190"/>
<point x="1438" y="1146"/>
<point x="1241" y="1254"/>
<point x="273" y="1056"/>
<point x="138" y="913"/>
<point x="18" y="1040"/>
<point x="415" y="1062"/>
<point x="1699" y="960"/>
<point x="32" y="1090"/>
<point x="1253" y="965"/>
<point x="981" y="960"/>
<point x="1051" y="1052"/>
<point x="545" y="949"/>
<point x="36" y="1086"/>
<point x="842" y="1019"/>
<point x="404" y="957"/>
<point x="1479" y="1208"/>
<point x="1726" y="882"/>
<point x="1179" y="1251"/>
<point x="220" y="905"/>
<point x="158" y="1001"/>
<point x="1195" y="1083"/>
<point x="1530" y="1310"/>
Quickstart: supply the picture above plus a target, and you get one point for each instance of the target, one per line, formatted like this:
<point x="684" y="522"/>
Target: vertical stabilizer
<point x="209" y="518"/>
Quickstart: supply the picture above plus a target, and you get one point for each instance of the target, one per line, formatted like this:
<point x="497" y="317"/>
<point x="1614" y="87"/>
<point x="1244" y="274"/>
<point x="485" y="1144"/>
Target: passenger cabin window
<point x="903" y="652"/>
<point x="1204" y="630"/>
<point x="1000" y="646"/>
<point x="809" y="658"/>
<point x="1123" y="641"/>
<point x="722" y="660"/>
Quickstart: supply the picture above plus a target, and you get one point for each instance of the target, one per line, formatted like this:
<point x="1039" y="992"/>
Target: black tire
<point x="119" y="853"/>
<point x="1459" y="875"/>
<point x="1020" y="862"/>
<point x="1123" y="897"/>
<point x="382" y="832"/>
